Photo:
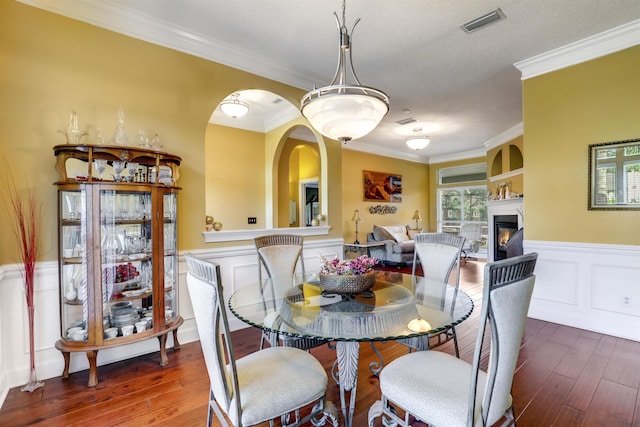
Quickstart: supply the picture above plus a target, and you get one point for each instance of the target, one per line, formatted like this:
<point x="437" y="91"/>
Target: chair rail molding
<point x="239" y="267"/>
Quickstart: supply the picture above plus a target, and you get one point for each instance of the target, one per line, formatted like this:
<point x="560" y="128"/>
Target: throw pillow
<point x="380" y="234"/>
<point x="399" y="232"/>
<point x="412" y="232"/>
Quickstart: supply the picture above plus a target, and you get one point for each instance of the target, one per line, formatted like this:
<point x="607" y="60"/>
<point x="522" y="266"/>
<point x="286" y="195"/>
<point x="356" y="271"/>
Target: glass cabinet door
<point x="126" y="262"/>
<point x="73" y="264"/>
<point x="169" y="203"/>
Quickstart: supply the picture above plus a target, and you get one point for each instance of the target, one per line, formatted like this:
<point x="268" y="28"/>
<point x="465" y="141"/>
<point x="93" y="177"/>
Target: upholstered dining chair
<point x="279" y="255"/>
<point x="439" y="255"/>
<point x="473" y="235"/>
<point x="451" y="392"/>
<point x="268" y="384"/>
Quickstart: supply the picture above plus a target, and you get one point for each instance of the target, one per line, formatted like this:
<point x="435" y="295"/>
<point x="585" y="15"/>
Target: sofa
<point x="398" y="245"/>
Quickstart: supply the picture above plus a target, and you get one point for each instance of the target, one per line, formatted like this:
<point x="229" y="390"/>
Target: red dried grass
<point x="25" y="217"/>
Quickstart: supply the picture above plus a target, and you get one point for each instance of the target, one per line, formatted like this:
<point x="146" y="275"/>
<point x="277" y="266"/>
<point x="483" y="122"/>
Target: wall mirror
<point x="614" y="175"/>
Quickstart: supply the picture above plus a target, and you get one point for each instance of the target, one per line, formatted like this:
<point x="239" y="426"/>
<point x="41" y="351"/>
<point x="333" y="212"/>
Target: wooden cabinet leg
<point x="67" y="360"/>
<point x="163" y="349"/>
<point x="92" y="356"/>
<point x="176" y="343"/>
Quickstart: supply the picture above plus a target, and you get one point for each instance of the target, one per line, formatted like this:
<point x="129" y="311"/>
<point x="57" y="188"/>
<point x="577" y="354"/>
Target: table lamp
<point x="416" y="216"/>
<point x="356" y="219"/>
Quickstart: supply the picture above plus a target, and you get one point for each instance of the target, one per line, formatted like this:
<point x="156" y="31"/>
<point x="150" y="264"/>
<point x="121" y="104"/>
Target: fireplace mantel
<point x="502" y="207"/>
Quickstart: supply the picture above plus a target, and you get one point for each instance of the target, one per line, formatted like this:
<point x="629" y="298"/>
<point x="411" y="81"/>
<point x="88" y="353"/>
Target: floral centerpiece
<point x="350" y="276"/>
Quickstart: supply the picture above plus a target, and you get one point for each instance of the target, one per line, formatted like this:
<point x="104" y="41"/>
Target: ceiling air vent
<point x="406" y="121"/>
<point x="476" y="24"/>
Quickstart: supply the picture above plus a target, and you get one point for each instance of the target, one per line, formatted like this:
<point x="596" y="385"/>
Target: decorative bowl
<point x="347" y="284"/>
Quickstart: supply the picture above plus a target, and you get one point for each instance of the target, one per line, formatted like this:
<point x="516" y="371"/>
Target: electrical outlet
<point x="626" y="301"/>
<point x="252" y="220"/>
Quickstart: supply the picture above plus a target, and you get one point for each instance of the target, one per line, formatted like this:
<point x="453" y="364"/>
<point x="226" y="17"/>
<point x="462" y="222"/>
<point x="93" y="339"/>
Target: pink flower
<point x="360" y="265"/>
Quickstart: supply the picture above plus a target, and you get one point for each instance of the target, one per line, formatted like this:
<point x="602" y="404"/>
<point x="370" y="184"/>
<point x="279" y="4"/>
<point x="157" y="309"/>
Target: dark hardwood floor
<point x="565" y="377"/>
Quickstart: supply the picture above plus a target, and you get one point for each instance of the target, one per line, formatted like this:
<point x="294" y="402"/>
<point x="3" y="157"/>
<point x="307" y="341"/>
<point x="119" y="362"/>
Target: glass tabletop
<point x="397" y="306"/>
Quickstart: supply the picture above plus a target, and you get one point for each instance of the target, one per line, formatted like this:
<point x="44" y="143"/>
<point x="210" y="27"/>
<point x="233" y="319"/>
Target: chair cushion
<point x="438" y="393"/>
<point x="380" y="233"/>
<point x="399" y="232"/>
<point x="275" y="380"/>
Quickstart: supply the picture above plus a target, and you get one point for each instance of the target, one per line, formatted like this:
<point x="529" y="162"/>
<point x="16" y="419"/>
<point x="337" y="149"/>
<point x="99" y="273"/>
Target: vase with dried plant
<point x="25" y="215"/>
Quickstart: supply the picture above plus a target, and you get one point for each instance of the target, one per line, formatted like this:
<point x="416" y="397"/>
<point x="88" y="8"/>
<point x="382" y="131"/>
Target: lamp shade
<point x="234" y="107"/>
<point x="417" y="141"/>
<point x="356" y="216"/>
<point x="346" y="114"/>
<point x="416" y="216"/>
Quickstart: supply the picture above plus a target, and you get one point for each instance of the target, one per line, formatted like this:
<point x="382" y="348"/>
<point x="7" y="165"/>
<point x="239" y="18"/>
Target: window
<point x="457" y="206"/>
<point x="465" y="173"/>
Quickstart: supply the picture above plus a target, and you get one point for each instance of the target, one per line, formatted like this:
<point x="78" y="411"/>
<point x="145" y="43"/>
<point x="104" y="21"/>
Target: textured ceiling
<point x="463" y="89"/>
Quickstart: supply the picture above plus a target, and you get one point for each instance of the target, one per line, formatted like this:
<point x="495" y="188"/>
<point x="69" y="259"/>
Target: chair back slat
<point x="206" y="293"/>
<point x="438" y="253"/>
<point x="508" y="285"/>
<point x="279" y="254"/>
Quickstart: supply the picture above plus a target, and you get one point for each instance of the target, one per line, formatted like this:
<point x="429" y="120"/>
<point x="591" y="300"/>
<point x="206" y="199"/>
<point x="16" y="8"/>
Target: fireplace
<point x="510" y="211"/>
<point x="504" y="226"/>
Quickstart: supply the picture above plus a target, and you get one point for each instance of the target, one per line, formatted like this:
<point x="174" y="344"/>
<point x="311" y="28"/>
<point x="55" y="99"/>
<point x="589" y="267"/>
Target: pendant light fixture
<point x="234" y="107"/>
<point x="417" y="141"/>
<point x="341" y="110"/>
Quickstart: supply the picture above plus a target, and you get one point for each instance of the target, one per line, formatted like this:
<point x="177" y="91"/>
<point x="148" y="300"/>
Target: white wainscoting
<point x="588" y="286"/>
<point x="239" y="266"/>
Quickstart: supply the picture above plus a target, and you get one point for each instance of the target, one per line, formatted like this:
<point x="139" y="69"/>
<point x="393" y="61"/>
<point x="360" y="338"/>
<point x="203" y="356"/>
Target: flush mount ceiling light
<point x="341" y="110"/>
<point x="417" y="141"/>
<point x="234" y="107"/>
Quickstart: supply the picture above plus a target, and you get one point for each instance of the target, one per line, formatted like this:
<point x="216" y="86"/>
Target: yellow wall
<point x="415" y="182"/>
<point x="235" y="191"/>
<point x="50" y="64"/>
<point x="433" y="186"/>
<point x="299" y="160"/>
<point x="564" y="112"/>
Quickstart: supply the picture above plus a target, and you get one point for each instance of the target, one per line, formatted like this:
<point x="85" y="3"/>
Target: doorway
<point x="309" y="201"/>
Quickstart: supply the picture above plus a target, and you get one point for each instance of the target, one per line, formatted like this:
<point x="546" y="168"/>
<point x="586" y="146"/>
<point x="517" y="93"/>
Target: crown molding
<point x="130" y="22"/>
<point x="464" y="155"/>
<point x="592" y="47"/>
<point x="367" y="147"/>
<point x="506" y="136"/>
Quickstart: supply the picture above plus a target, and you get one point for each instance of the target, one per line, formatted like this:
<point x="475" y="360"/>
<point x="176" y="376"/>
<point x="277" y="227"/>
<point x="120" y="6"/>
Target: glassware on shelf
<point x="101" y="166"/>
<point x="118" y="168"/>
<point x="72" y="201"/>
<point x="132" y="168"/>
<point x="72" y="132"/>
<point x="120" y="136"/>
<point x="143" y="139"/>
<point x="156" y="144"/>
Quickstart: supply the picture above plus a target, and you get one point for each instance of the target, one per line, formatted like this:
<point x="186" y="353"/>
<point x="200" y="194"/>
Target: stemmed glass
<point x="118" y="167"/>
<point x="101" y="166"/>
<point x="132" y="168"/>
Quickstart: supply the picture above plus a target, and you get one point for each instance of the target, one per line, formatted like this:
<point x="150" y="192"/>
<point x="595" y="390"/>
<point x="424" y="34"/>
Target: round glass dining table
<point x="398" y="306"/>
